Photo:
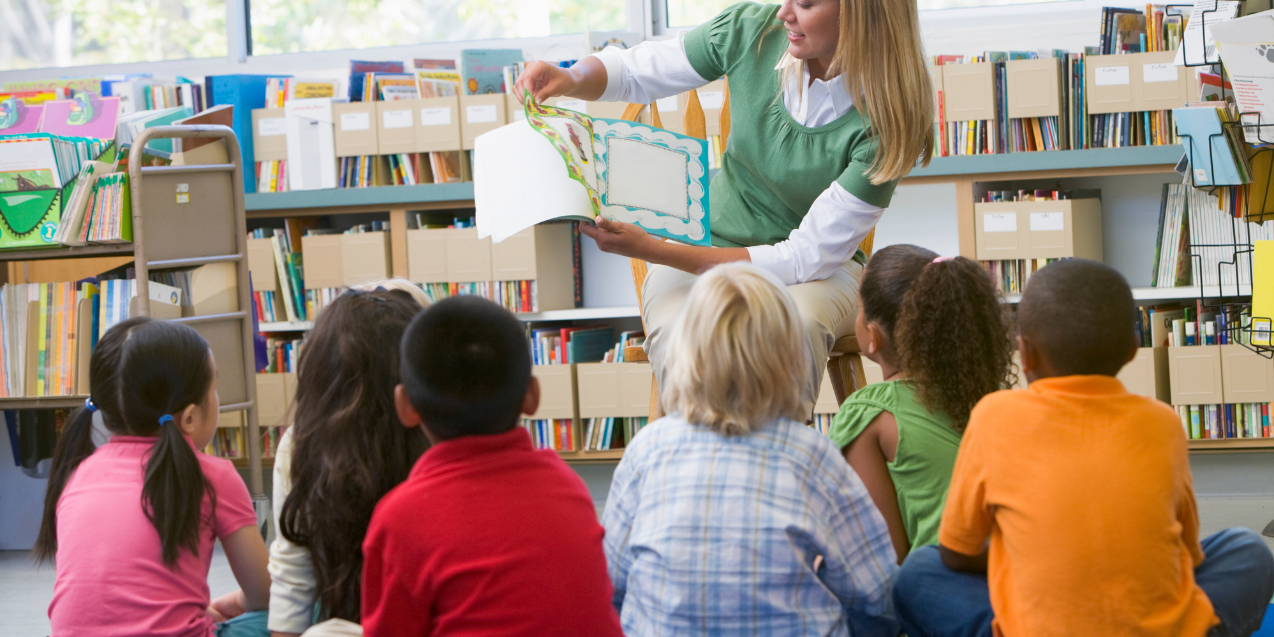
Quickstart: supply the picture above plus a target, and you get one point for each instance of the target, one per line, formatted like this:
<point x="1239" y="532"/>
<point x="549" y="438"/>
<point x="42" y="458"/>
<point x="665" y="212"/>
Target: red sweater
<point x="487" y="536"/>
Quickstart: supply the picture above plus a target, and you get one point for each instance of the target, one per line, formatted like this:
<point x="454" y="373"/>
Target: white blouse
<point x="292" y="587"/>
<point x="837" y="221"/>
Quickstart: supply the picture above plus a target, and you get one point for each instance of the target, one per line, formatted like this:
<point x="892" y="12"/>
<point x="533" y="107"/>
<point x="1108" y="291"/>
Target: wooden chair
<point x="844" y="366"/>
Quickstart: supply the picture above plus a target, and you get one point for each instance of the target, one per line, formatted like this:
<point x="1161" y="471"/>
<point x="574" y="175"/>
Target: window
<point x="44" y="33"/>
<point x="689" y="13"/>
<point x="290" y="26"/>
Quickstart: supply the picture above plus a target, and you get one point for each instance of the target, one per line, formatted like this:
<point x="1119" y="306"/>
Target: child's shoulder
<point x="884" y="394"/>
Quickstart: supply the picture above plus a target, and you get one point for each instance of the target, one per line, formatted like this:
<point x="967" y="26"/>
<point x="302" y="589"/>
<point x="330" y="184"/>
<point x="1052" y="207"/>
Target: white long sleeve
<point x="836" y="223"/>
<point x="827" y="237"/>
<point x="292" y="587"/>
<point x="649" y="71"/>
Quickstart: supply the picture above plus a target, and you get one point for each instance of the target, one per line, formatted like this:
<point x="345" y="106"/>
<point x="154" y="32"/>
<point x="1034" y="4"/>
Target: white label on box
<point x="272" y="127"/>
<point x="999" y="222"/>
<point x="440" y="116"/>
<point x="397" y="119"/>
<point x="711" y="100"/>
<point x="356" y="121"/>
<point x="667" y="104"/>
<point x="579" y="106"/>
<point x="480" y="114"/>
<point x="1110" y="75"/>
<point x="1162" y="72"/>
<point x="518" y="115"/>
<point x="1047" y="221"/>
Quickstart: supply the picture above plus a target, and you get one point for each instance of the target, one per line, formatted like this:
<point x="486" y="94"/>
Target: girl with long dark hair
<point x="344" y="451"/>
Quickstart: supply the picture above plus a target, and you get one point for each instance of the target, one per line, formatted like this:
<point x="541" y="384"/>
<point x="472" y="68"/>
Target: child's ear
<point x="531" y="401"/>
<point x="406" y="412"/>
<point x="1028" y="357"/>
<point x="185" y="420"/>
<point x="875" y="340"/>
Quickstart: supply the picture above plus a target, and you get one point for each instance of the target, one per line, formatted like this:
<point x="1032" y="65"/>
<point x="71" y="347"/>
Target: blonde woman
<point x="719" y="513"/>
<point x="831" y="104"/>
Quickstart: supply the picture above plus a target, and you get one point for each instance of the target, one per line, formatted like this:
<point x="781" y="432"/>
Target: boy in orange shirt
<point x="1084" y="492"/>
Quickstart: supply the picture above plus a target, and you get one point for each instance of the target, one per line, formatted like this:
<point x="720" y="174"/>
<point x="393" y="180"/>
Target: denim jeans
<point x="1237" y="575"/>
<point x="246" y="625"/>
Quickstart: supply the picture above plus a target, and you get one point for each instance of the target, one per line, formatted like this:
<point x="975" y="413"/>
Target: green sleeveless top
<point x="773" y="168"/>
<point x="927" y="445"/>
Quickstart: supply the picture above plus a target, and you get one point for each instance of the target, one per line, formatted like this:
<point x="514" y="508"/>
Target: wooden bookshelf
<point x="1173" y="294"/>
<point x="1232" y="445"/>
<point x="287" y="326"/>
<point x="590" y="457"/>
<point x="66" y="252"/>
<point x="42" y="402"/>
<point x="353" y="200"/>
<point x="1088" y="162"/>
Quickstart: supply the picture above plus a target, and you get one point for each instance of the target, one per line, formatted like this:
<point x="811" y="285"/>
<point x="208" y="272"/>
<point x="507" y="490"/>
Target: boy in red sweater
<point x="487" y="536"/>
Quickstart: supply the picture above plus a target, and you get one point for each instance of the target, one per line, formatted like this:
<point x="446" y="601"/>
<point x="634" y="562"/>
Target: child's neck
<point x="888" y="361"/>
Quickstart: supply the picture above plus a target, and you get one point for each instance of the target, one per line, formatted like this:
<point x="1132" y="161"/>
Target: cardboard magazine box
<point x="481" y="114"/>
<point x="396" y="126"/>
<point x="1194" y="374"/>
<point x="1147" y="374"/>
<point x="1039" y="229"/>
<point x="1034" y="87"/>
<point x="355" y="130"/>
<point x="324" y="265"/>
<point x="269" y="134"/>
<point x="468" y="257"/>
<point x="613" y="390"/>
<point x="541" y="253"/>
<point x="438" y="124"/>
<point x="364" y="257"/>
<point x="557" y="392"/>
<point x="1246" y="377"/>
<point x="427" y="255"/>
<point x="968" y="92"/>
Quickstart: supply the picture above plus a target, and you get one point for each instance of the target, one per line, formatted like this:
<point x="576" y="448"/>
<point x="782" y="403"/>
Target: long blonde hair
<point x="881" y="59"/>
<point x="737" y="356"/>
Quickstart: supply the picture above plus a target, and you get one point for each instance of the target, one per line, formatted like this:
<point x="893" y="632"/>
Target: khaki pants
<point x="828" y="309"/>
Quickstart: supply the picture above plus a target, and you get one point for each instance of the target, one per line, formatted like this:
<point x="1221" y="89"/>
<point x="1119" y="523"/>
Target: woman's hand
<point x="544" y="81"/>
<point x="227" y="606"/>
<point x="624" y="239"/>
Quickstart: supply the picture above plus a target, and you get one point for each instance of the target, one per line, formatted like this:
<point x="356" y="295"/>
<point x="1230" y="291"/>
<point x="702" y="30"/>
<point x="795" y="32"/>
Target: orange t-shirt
<point x="1085" y="493"/>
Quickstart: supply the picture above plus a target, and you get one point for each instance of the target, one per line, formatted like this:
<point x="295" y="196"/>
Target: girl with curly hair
<point x="938" y="331"/>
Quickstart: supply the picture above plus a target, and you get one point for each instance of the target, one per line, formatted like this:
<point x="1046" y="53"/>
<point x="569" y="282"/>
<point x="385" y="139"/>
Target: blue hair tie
<point x="165" y="419"/>
<point x="88" y="404"/>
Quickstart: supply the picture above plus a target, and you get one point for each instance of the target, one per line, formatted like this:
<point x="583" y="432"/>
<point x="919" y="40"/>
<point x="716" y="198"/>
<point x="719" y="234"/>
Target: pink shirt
<point x="111" y="578"/>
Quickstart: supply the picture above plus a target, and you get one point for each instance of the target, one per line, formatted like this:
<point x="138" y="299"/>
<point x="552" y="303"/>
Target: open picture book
<point x="560" y="164"/>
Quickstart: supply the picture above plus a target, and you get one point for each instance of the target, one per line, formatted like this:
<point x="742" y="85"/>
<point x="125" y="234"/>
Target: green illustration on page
<point x="624" y="171"/>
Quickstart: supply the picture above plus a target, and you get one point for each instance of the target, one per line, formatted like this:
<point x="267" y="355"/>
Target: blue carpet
<point x="1267" y="626"/>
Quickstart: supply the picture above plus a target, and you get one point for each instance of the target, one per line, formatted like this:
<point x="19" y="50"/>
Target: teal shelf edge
<point x="383" y="195"/>
<point x="1050" y="160"/>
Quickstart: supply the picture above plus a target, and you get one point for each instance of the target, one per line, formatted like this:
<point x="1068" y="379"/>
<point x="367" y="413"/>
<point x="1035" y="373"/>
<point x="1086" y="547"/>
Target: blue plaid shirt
<point x="715" y="535"/>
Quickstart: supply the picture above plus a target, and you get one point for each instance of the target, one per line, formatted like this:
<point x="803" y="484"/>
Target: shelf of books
<point x="1157" y="158"/>
<point x="415" y="197"/>
<point x="592" y="402"/>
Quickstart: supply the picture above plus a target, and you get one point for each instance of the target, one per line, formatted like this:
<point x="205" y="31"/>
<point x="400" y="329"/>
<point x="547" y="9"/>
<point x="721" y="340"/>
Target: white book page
<point x="520" y="180"/>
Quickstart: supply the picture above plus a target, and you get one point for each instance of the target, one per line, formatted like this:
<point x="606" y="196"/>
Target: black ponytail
<point x="168" y="368"/>
<point x="76" y="441"/>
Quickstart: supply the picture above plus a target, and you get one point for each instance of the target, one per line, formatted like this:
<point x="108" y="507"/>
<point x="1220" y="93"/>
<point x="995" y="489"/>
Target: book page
<point x="571" y="134"/>
<point x="653" y="178"/>
<point x="519" y="181"/>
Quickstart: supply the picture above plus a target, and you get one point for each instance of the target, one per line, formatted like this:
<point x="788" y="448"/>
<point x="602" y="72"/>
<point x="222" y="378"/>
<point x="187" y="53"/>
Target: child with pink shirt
<point x="131" y="525"/>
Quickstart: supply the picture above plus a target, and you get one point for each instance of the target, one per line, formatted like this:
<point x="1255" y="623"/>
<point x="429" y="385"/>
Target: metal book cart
<point x="190" y="216"/>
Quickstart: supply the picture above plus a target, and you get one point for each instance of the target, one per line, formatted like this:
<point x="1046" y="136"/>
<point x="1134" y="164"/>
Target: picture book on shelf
<point x="560" y="164"/>
<point x="16" y="116"/>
